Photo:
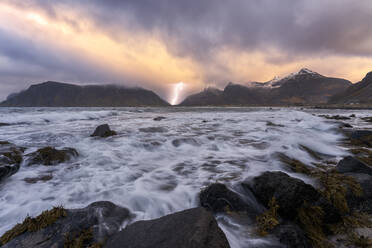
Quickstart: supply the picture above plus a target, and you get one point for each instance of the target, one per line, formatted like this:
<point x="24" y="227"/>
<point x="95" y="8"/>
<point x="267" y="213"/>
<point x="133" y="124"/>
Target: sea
<point x="155" y="168"/>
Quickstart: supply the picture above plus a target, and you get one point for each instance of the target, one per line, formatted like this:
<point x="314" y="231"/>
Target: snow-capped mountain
<point x="302" y="87"/>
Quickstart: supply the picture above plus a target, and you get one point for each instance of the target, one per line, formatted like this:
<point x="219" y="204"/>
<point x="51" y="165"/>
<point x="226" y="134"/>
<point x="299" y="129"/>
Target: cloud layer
<point x="158" y="43"/>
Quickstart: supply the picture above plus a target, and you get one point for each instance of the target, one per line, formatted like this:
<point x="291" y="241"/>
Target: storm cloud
<point x="210" y="34"/>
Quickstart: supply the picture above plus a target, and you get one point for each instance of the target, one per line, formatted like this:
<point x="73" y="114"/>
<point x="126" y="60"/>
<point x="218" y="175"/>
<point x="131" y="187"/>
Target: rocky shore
<point x="334" y="211"/>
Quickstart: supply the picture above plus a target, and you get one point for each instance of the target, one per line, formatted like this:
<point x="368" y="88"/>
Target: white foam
<point x="144" y="171"/>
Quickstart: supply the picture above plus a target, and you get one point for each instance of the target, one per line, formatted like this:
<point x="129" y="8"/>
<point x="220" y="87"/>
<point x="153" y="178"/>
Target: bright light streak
<point x="176" y="92"/>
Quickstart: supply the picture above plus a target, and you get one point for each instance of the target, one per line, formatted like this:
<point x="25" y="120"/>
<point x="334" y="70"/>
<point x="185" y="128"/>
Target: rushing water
<point x="158" y="167"/>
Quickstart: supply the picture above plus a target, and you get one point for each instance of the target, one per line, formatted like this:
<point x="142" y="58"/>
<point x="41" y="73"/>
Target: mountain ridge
<point x="56" y="94"/>
<point x="302" y="87"/>
<point x="358" y="93"/>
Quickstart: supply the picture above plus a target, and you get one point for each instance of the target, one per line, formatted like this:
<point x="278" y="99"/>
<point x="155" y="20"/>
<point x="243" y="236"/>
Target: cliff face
<point x="54" y="94"/>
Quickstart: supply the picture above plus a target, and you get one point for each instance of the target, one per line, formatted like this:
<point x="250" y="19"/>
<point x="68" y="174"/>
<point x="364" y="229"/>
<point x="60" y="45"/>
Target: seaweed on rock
<point x="81" y="240"/>
<point x="334" y="187"/>
<point x="269" y="219"/>
<point x="30" y="224"/>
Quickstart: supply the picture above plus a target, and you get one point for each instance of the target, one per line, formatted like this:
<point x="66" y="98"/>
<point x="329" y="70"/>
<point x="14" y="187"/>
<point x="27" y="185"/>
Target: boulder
<point x="291" y="235"/>
<point x="103" y="131"/>
<point x="353" y="165"/>
<point x="11" y="157"/>
<point x="51" y="156"/>
<point x="218" y="198"/>
<point x="68" y="227"/>
<point x="192" y="228"/>
<point x="289" y="192"/>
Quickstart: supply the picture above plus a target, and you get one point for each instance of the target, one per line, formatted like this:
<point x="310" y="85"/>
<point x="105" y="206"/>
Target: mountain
<point x="54" y="94"/>
<point x="303" y="87"/>
<point x="208" y="97"/>
<point x="359" y="93"/>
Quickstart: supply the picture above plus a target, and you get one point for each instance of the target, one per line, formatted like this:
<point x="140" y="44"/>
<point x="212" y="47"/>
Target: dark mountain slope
<point x="359" y="93"/>
<point x="54" y="94"/>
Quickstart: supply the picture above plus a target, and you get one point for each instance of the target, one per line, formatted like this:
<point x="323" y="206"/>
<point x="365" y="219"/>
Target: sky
<point x="156" y="44"/>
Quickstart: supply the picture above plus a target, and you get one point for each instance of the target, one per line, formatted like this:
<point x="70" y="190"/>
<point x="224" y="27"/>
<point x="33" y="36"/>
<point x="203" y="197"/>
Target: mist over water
<point x="158" y="167"/>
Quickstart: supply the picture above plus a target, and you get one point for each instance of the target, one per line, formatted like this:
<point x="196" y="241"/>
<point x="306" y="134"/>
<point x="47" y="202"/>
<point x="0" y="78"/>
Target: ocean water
<point x="158" y="167"/>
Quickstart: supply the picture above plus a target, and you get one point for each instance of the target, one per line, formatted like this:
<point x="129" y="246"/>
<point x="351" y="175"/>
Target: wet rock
<point x="345" y="125"/>
<point x="352" y="116"/>
<point x="98" y="221"/>
<point x="159" y="118"/>
<point x="103" y="131"/>
<point x="2" y="124"/>
<point x="218" y="198"/>
<point x="193" y="228"/>
<point x="335" y="117"/>
<point x="367" y="119"/>
<point x="353" y="165"/>
<point x="289" y="192"/>
<point x="51" y="156"/>
<point x="363" y="137"/>
<point x="189" y="141"/>
<point x="42" y="178"/>
<point x="272" y="124"/>
<point x="361" y="203"/>
<point x="11" y="157"/>
<point x="292" y="236"/>
<point x="154" y="130"/>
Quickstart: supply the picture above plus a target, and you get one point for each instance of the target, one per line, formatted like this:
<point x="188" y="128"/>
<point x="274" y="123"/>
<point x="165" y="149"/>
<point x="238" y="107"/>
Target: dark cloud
<point x="199" y="29"/>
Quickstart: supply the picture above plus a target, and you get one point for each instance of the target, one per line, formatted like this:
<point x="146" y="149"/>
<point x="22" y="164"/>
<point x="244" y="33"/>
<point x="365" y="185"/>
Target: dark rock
<point x="42" y="178"/>
<point x="2" y="124"/>
<point x="367" y="119"/>
<point x="193" y="228"/>
<point x="189" y="141"/>
<point x="103" y="131"/>
<point x="361" y="203"/>
<point x="351" y="164"/>
<point x="290" y="193"/>
<point x="102" y="218"/>
<point x="218" y="198"/>
<point x="51" y="156"/>
<point x="8" y="170"/>
<point x="11" y="157"/>
<point x="345" y="125"/>
<point x="272" y="124"/>
<point x="362" y="136"/>
<point x="159" y="118"/>
<point x="352" y="116"/>
<point x="291" y="235"/>
<point x="335" y="117"/>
